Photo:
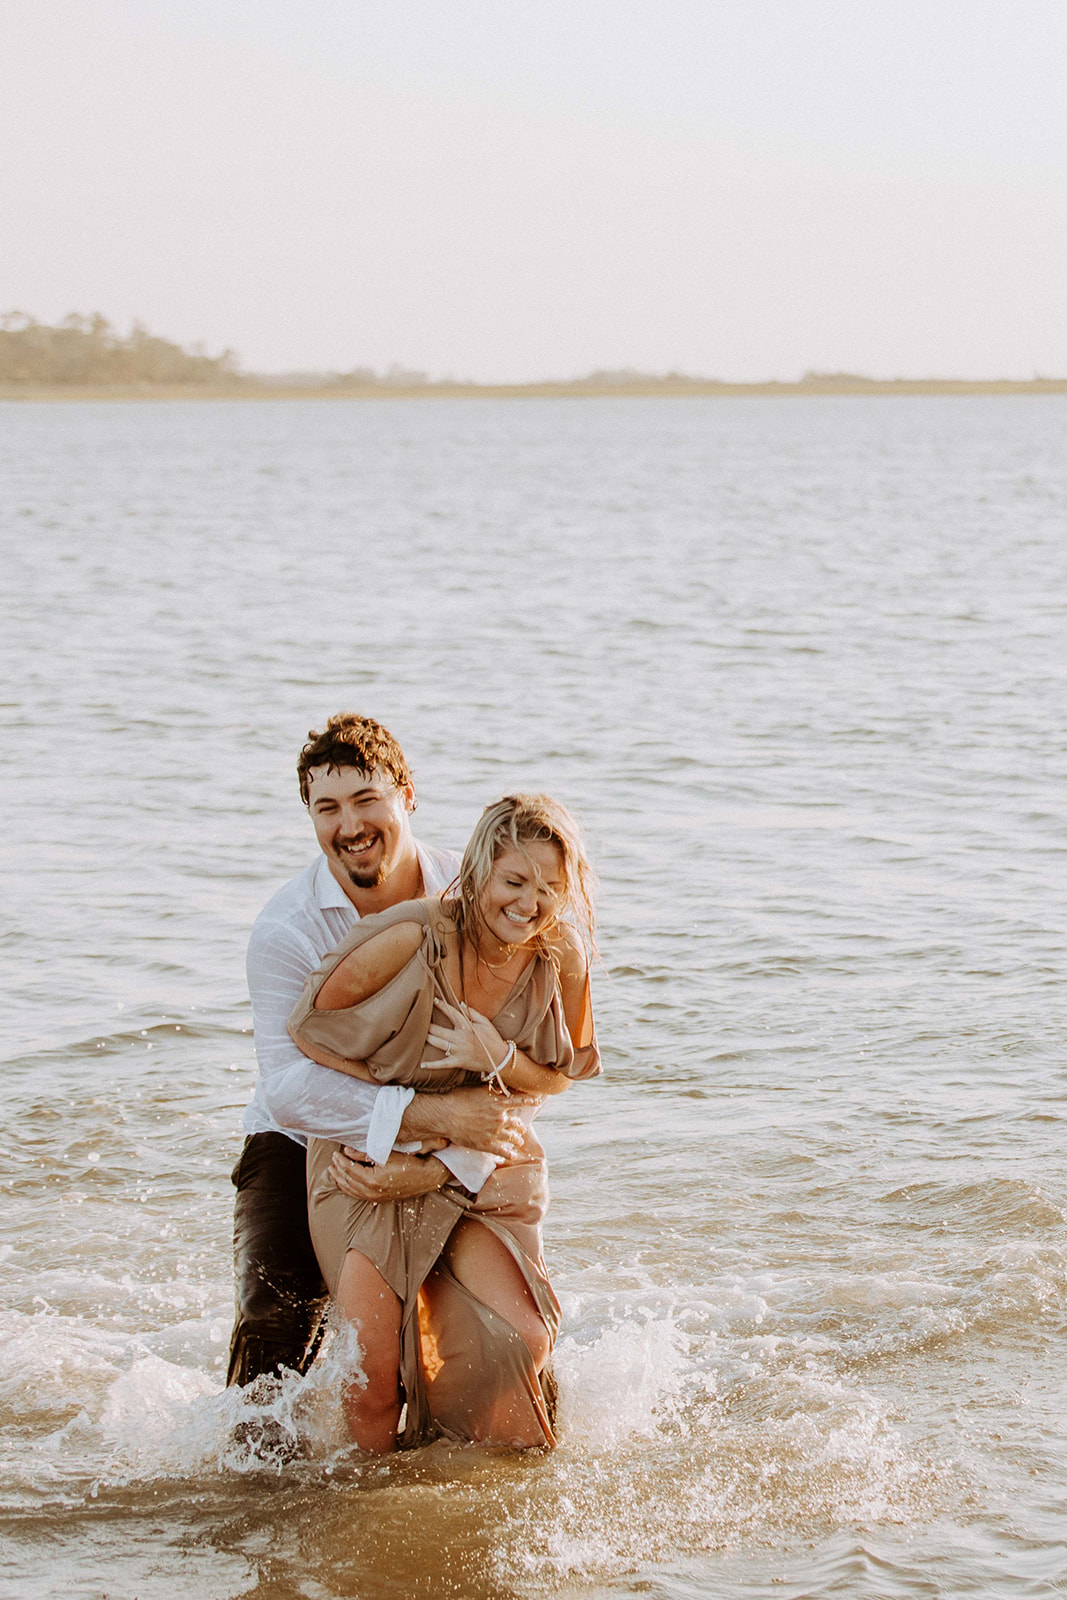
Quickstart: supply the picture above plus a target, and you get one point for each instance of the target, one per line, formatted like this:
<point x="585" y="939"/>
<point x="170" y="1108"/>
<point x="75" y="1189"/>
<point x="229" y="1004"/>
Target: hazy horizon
<point x="87" y="349"/>
<point x="741" y="192"/>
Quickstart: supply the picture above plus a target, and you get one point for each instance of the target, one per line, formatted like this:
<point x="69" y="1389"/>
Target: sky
<point x="518" y="189"/>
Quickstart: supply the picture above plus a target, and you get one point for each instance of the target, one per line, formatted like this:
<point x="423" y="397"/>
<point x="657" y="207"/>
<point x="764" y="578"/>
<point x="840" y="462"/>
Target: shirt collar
<point x="433" y="878"/>
<point x="327" y="890"/>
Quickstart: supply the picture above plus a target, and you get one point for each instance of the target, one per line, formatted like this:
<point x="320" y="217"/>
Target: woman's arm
<point x="578" y="1015"/>
<point x="469" y="1117"/>
<point x="524" y="1076"/>
<point x="574" y="990"/>
<point x="327" y="1058"/>
<point x="368" y="968"/>
<point x="363" y="972"/>
<point x="471" y="1042"/>
<point x="474" y="1043"/>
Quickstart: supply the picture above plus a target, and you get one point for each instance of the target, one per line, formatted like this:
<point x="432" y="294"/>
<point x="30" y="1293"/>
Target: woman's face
<point x="524" y="892"/>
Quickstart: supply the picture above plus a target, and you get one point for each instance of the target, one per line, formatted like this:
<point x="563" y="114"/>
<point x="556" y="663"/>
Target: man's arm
<point x="481" y="1128"/>
<point x="300" y="1095"/>
<point x="321" y="1103"/>
<point x="474" y="1117"/>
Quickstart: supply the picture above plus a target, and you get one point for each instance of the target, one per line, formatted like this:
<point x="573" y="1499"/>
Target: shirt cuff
<point x="390" y="1103"/>
<point x="470" y="1167"/>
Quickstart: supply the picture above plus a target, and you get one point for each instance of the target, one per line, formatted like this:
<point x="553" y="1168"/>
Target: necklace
<point x="480" y="961"/>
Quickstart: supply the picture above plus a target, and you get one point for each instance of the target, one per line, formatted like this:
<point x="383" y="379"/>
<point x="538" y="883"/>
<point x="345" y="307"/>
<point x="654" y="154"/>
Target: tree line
<point x="88" y="350"/>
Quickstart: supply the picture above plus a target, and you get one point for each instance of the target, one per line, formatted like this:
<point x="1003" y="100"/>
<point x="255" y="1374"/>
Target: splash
<point x="668" y="1451"/>
<point x="162" y="1420"/>
<point x="622" y="1386"/>
<point x="109" y="1411"/>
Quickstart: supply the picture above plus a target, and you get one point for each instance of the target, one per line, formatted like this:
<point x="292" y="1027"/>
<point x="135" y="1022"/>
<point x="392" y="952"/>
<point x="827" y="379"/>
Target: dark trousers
<point x="281" y="1298"/>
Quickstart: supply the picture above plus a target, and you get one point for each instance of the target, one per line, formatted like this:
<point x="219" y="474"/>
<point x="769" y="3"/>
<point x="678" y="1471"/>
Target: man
<point x="360" y="795"/>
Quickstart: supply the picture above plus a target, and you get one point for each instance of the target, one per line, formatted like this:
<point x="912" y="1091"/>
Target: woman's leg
<point x="372" y="1409"/>
<point x="487" y="1268"/>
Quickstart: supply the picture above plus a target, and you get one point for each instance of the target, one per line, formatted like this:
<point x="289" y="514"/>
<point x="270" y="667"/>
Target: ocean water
<point x="800" y="666"/>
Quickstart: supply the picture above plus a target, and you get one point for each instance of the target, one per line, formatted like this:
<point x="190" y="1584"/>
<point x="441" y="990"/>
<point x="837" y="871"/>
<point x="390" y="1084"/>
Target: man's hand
<point x="400" y="1178"/>
<point x="475" y="1118"/>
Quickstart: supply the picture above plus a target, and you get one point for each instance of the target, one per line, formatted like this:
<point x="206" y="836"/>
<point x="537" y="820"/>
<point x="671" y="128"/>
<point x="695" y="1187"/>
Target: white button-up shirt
<point x="293" y="1095"/>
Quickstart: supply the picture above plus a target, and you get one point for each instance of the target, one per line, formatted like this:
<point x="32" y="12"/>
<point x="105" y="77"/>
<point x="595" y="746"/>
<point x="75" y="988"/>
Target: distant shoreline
<point x="85" y="358"/>
<point x="575" y="389"/>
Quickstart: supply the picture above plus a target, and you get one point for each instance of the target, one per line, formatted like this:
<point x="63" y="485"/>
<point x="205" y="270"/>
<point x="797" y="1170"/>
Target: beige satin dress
<point x="461" y="1363"/>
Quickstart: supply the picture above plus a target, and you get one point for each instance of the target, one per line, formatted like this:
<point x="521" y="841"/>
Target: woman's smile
<point x="523" y="893"/>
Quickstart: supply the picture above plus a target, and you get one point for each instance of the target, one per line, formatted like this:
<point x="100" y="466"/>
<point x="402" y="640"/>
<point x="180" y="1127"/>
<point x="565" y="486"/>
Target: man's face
<point x="361" y="821"/>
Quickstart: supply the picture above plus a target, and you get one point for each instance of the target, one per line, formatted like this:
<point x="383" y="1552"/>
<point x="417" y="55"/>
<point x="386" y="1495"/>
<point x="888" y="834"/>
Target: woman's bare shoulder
<point x="396" y="943"/>
<point x="371" y="965"/>
<point x="569" y="951"/>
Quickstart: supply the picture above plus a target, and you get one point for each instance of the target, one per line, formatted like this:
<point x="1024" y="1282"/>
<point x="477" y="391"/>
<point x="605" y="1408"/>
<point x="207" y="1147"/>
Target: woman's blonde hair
<point x="516" y="821"/>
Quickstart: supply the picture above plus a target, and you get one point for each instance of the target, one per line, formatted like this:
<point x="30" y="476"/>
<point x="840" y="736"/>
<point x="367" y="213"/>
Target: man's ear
<point x="411" y="799"/>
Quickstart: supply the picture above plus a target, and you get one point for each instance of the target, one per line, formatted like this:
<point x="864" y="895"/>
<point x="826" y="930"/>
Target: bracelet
<point x="493" y="1076"/>
<point x="509" y="1056"/>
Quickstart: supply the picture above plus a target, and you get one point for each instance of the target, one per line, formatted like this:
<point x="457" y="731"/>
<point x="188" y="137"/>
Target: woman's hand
<point x="401" y="1177"/>
<point x="474" y="1044"/>
<point x="469" y="1041"/>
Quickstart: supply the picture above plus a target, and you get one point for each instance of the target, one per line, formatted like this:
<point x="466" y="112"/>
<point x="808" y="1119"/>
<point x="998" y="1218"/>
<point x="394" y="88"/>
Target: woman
<point x="449" y="1289"/>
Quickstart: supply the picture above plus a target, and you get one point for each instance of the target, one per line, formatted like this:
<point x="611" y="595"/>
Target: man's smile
<point x="358" y="849"/>
<point x="361" y="822"/>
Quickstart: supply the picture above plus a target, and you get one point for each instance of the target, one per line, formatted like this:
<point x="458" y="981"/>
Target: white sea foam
<point x="623" y="1385"/>
<point x="160" y="1419"/>
<point x="659" y="1454"/>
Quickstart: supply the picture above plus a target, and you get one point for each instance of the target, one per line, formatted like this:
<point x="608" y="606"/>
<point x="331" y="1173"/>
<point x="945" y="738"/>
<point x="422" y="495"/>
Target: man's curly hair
<point x="349" y="740"/>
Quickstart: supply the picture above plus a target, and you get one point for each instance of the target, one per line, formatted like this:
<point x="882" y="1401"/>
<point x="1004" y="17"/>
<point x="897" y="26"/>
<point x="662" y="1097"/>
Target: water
<point x="800" y="667"/>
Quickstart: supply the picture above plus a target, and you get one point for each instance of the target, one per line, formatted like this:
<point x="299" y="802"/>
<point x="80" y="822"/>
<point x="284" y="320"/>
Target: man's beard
<point x="367" y="877"/>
